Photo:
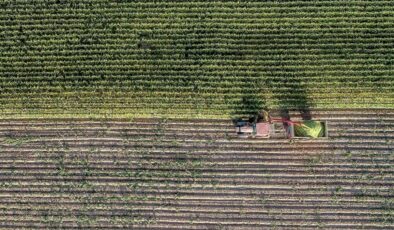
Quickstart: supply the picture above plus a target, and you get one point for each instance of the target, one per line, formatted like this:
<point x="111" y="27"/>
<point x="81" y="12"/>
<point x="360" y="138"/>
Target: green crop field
<point x="199" y="59"/>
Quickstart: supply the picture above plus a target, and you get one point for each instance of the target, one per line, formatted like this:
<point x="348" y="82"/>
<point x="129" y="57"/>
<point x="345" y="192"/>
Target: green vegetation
<point x="309" y="129"/>
<point x="97" y="58"/>
<point x="15" y="141"/>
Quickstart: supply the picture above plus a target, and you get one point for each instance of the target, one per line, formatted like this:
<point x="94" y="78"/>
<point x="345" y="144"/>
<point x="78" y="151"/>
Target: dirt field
<point x="168" y="174"/>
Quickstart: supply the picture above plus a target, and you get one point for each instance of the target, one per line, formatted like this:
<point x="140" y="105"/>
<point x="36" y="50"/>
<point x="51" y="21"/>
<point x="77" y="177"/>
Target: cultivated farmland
<point x="169" y="174"/>
<point x="116" y="114"/>
<point x="96" y="58"/>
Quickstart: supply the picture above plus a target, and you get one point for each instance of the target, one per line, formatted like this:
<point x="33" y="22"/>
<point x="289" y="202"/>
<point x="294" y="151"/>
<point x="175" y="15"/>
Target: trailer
<point x="297" y="129"/>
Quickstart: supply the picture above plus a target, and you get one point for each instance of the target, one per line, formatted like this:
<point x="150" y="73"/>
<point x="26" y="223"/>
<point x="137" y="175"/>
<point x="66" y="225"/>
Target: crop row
<point x="225" y="5"/>
<point x="131" y="106"/>
<point x="229" y="55"/>
<point x="274" y="28"/>
<point x="189" y="101"/>
<point x="47" y="48"/>
<point x="253" y="37"/>
<point x="75" y="90"/>
<point x="36" y="81"/>
<point x="228" y="62"/>
<point x="233" y="85"/>
<point x="78" y="15"/>
<point x="186" y="96"/>
<point x="194" y="70"/>
<point x="159" y="65"/>
<point x="211" y="20"/>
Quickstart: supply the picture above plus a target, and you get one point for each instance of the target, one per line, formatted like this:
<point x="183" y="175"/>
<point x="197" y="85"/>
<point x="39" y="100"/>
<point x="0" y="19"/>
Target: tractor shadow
<point x="289" y="92"/>
<point x="291" y="95"/>
<point x="250" y="102"/>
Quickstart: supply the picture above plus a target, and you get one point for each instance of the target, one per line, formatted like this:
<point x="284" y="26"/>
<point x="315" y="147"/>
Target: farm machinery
<point x="263" y="126"/>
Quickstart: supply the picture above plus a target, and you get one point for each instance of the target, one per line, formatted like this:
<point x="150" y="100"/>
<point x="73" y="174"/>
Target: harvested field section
<point x="168" y="174"/>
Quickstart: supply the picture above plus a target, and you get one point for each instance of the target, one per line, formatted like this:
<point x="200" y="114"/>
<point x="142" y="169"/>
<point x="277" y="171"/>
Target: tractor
<point x="264" y="126"/>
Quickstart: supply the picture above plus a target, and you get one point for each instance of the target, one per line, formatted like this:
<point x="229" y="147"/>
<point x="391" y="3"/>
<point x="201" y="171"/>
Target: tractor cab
<point x="246" y="129"/>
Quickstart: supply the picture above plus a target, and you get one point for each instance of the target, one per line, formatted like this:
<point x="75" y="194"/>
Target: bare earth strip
<point x="195" y="174"/>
